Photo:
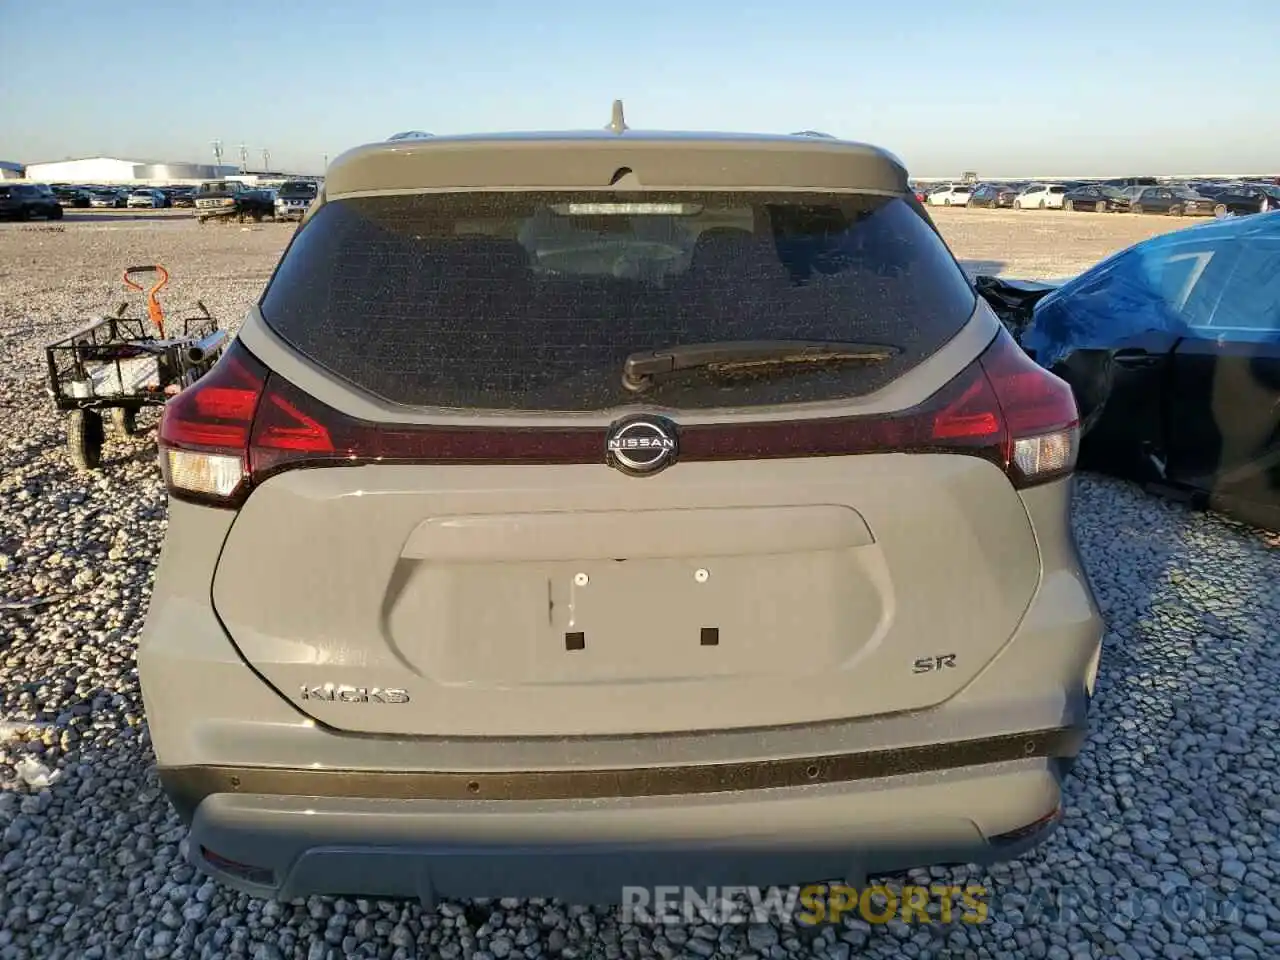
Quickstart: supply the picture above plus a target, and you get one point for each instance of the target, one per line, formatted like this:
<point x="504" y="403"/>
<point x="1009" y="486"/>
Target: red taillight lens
<point x="973" y="415"/>
<point x="293" y="429"/>
<point x="282" y="425"/>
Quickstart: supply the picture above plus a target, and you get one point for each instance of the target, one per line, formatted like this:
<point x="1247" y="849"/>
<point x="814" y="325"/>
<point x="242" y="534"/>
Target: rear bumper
<point x="586" y="850"/>
<point x="319" y="810"/>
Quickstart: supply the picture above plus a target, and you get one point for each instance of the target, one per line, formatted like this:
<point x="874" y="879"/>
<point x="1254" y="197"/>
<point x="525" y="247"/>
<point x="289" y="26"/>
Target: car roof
<point x="603" y="159"/>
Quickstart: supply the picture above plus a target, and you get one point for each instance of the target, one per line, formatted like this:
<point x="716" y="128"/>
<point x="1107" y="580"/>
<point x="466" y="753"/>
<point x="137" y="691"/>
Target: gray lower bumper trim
<point x="188" y="786"/>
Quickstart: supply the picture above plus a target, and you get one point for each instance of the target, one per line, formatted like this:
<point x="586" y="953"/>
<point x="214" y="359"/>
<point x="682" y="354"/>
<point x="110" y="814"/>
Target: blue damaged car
<point x="1172" y="348"/>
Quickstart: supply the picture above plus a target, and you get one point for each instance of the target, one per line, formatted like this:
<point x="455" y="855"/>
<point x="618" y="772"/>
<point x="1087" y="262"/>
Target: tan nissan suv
<point x="587" y="509"/>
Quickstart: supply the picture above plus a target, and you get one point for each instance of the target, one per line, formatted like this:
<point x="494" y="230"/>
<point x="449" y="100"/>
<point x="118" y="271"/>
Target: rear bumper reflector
<point x="187" y="786"/>
<point x="244" y="871"/>
<point x="1033" y="829"/>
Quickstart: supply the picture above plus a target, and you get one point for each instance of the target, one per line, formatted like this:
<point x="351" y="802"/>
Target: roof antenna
<point x="618" y="124"/>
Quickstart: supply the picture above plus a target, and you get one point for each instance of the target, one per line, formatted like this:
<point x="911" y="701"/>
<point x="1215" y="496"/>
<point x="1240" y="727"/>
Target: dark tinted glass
<point x="533" y="301"/>
<point x="298" y="190"/>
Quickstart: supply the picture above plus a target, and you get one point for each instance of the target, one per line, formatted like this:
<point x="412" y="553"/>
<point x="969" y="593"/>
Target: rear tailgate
<point x="570" y="600"/>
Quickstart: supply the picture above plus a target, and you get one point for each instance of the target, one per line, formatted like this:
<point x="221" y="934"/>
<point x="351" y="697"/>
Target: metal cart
<point x="120" y="364"/>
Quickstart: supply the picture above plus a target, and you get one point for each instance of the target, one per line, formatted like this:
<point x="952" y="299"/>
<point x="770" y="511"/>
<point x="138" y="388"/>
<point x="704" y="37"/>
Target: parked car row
<point x="94" y="196"/>
<point x="218" y="198"/>
<point x="1126" y="195"/>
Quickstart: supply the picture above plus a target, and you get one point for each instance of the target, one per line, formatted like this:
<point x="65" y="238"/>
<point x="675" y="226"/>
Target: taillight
<point x="240" y="425"/>
<point x="205" y="430"/>
<point x="1039" y="412"/>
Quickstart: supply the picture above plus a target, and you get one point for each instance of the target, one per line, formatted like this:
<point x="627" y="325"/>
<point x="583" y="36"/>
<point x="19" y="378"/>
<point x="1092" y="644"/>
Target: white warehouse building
<point x="117" y="170"/>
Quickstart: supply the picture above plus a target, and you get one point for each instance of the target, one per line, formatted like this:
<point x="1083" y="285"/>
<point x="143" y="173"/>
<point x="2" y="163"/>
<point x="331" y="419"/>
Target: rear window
<point x="533" y="301"/>
<point x="298" y="190"/>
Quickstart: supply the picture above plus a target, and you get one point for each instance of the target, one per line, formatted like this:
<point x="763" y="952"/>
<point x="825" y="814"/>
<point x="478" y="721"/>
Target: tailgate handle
<point x="636" y="535"/>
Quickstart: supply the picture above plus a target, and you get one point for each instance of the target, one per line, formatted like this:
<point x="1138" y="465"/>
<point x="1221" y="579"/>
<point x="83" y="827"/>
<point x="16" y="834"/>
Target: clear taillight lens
<point x="1054" y="453"/>
<point x="211" y="474"/>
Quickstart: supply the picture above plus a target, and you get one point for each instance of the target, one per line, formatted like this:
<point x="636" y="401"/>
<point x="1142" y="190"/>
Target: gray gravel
<point x="1174" y="798"/>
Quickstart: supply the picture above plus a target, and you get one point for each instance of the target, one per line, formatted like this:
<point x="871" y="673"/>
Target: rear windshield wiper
<point x="645" y="368"/>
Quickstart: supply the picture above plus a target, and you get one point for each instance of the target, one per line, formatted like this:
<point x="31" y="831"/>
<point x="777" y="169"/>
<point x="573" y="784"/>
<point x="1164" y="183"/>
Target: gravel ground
<point x="1176" y="794"/>
<point x="1042" y="245"/>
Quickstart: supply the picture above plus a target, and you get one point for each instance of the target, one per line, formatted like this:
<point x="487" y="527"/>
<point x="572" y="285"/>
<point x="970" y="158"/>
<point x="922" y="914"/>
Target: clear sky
<point x="1002" y="88"/>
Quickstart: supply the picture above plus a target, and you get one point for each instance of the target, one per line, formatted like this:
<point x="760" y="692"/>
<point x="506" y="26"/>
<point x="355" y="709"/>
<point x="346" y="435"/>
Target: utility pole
<point x="266" y="160"/>
<point x="217" y="152"/>
<point x="244" y="159"/>
<point x="326" y="161"/>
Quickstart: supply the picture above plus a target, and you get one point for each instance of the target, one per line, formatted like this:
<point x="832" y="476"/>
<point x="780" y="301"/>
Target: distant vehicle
<point x="293" y="198"/>
<point x="1173" y="201"/>
<point x="1041" y="196"/>
<point x="72" y="196"/>
<point x="107" y="198"/>
<point x="983" y="195"/>
<point x="146" y="197"/>
<point x="993" y="195"/>
<point x="232" y="199"/>
<point x="182" y="197"/>
<point x="1246" y="199"/>
<point x="1097" y="197"/>
<point x="951" y="195"/>
<point x="1123" y="182"/>
<point x="22" y="201"/>
<point x="1212" y="189"/>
